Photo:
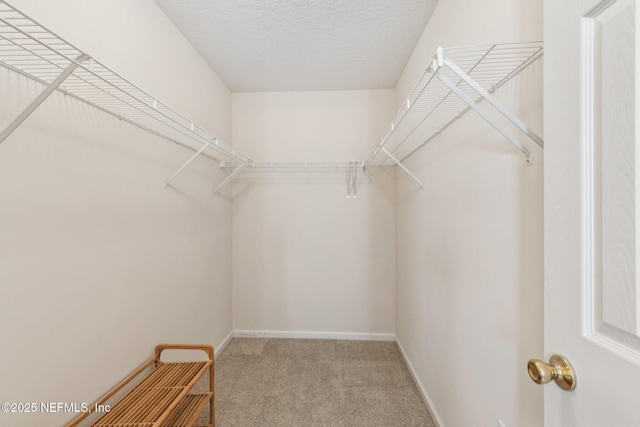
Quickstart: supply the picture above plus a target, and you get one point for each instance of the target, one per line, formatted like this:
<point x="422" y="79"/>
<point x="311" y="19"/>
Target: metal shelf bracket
<point x="494" y="102"/>
<point x="486" y="117"/>
<point x="42" y="97"/>
<point x="230" y="178"/>
<point x="403" y="167"/>
<point x="455" y="81"/>
<point x="187" y="163"/>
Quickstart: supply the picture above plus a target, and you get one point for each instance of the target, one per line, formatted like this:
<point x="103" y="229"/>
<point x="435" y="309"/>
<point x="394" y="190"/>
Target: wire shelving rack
<point x="36" y="52"/>
<point x="456" y="81"/>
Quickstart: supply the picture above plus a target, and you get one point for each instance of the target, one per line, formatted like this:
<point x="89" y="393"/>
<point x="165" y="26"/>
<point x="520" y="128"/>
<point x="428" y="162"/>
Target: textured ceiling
<point x="283" y="45"/>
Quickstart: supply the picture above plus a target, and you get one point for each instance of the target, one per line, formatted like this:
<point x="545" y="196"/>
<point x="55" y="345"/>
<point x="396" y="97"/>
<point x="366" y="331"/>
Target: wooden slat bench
<point x="163" y="398"/>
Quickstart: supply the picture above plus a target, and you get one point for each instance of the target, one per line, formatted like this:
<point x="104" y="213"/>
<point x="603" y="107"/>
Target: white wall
<point x="305" y="258"/>
<point x="470" y="258"/>
<point x="98" y="263"/>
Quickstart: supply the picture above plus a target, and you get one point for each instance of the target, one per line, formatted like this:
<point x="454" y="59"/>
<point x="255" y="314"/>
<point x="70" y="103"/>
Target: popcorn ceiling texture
<point x="285" y="45"/>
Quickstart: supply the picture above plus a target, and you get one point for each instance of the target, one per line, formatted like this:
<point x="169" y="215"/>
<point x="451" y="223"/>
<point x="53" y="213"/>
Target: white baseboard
<point x="356" y="336"/>
<point x="425" y="396"/>
<point x="219" y="349"/>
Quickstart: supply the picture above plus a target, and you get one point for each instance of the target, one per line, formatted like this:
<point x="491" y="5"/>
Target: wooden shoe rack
<point x="163" y="398"/>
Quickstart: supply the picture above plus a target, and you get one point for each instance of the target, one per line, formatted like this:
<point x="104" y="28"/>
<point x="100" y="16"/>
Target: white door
<point x="592" y="210"/>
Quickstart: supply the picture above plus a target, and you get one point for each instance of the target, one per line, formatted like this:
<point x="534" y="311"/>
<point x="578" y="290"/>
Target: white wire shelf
<point x="456" y="79"/>
<point x="32" y="50"/>
<point x="297" y="165"/>
<point x="350" y="167"/>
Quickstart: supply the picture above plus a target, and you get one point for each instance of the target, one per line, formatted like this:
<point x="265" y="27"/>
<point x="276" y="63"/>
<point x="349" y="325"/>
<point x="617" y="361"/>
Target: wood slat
<point x="131" y="425"/>
<point x="148" y="403"/>
<point x="188" y="410"/>
<point x="140" y="406"/>
<point x="174" y="374"/>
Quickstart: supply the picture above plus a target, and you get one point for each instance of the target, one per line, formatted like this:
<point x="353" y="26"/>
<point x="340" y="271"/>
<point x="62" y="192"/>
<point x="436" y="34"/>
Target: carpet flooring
<point x="262" y="382"/>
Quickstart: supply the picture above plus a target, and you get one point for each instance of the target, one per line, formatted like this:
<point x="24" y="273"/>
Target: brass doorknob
<point x="558" y="369"/>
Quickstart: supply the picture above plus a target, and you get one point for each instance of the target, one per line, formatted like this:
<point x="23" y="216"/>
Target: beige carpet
<point x="307" y="383"/>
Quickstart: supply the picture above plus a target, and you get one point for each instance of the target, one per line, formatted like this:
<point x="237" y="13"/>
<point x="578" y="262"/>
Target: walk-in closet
<point x="337" y="206"/>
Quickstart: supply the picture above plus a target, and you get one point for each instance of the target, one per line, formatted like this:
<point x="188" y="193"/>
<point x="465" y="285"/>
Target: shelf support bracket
<point x="403" y="167"/>
<point x="228" y="179"/>
<point x="188" y="162"/>
<point x="352" y="181"/>
<point x="455" y="89"/>
<point x="41" y="98"/>
<point x="494" y="102"/>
